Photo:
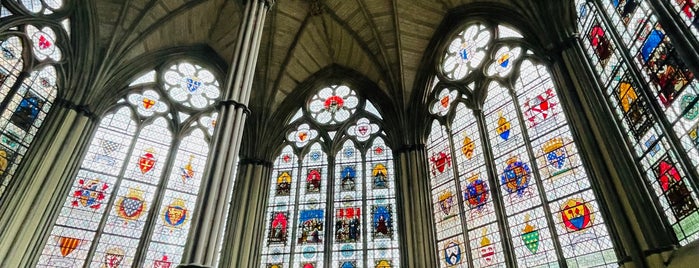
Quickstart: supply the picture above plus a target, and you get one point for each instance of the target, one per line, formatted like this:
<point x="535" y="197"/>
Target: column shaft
<point x="637" y="227"/>
<point x="41" y="186"/>
<point x="418" y="247"/>
<point x="207" y="228"/>
<point x="243" y="237"/>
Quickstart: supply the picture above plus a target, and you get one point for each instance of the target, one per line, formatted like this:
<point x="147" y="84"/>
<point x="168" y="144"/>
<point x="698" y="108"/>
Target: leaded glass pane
<point x="118" y="197"/>
<point x="581" y="231"/>
<point x="346" y="192"/>
<point x="687" y="11"/>
<point x="669" y="81"/>
<point x="279" y="220"/>
<point x="348" y="217"/>
<point x="44" y="43"/>
<point x="310" y="224"/>
<point x="479" y="211"/>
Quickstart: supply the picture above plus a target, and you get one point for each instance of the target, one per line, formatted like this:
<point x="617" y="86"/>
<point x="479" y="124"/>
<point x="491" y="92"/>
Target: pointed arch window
<point x="29" y="54"/>
<point x="133" y="198"/>
<point x="653" y="97"/>
<point x="508" y="183"/>
<point x="332" y="191"/>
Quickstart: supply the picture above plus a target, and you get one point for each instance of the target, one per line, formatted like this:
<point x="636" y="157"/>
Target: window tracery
<point x="332" y="206"/>
<point x="25" y="100"/>
<point x="507" y="180"/>
<point x="138" y="183"/>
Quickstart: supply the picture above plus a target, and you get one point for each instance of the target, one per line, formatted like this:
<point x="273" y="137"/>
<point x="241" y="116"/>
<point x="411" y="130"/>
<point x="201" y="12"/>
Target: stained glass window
<point x="508" y="184"/>
<point x="339" y="201"/>
<point x="25" y="100"/>
<point x="687" y="12"/>
<point x="134" y="195"/>
<point x="653" y="98"/>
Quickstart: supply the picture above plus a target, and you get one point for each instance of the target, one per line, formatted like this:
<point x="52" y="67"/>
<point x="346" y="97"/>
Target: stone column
<point x="202" y="245"/>
<point x="41" y="183"/>
<point x="636" y="226"/>
<point x="243" y="239"/>
<point x="414" y="204"/>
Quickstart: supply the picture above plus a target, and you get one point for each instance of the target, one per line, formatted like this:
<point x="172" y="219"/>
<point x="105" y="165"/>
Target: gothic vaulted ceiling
<point x="384" y="40"/>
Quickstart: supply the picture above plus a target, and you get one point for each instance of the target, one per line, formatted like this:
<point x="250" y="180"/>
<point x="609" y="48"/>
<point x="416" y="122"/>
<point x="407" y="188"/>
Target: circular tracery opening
<point x="333" y="104"/>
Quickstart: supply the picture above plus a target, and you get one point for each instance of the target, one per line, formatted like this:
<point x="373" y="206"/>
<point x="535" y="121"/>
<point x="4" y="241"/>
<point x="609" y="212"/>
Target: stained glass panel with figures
<point x="27" y="103"/>
<point x="380" y="211"/>
<point x="339" y="197"/>
<point x="279" y="223"/>
<point x="674" y="88"/>
<point x="310" y="222"/>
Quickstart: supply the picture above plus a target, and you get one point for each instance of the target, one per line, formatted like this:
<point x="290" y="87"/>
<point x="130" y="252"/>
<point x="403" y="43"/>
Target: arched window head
<point x="653" y="95"/>
<point x="508" y="183"/>
<point x="28" y="82"/>
<point x="332" y="189"/>
<point x="133" y="198"/>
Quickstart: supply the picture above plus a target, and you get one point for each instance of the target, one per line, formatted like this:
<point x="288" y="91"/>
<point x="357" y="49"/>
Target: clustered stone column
<point x="208" y="226"/>
<point x="41" y="182"/>
<point x="244" y="233"/>
<point x="414" y="202"/>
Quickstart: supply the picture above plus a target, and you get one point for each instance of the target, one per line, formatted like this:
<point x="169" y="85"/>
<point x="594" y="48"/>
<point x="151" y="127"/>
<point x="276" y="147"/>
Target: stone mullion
<point x="496" y="191"/>
<point x="459" y="197"/>
<point x="28" y="217"/>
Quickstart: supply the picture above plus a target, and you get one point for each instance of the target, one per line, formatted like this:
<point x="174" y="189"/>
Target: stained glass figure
<point x="278" y="228"/>
<point x="348" y="224"/>
<point x="310" y="226"/>
<point x="382" y="222"/>
<point x="379" y="175"/>
<point x="662" y="64"/>
<point x="348" y="175"/>
<point x="313" y="181"/>
<point x="283" y="183"/>
<point x="600" y="43"/>
<point x="27" y="111"/>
